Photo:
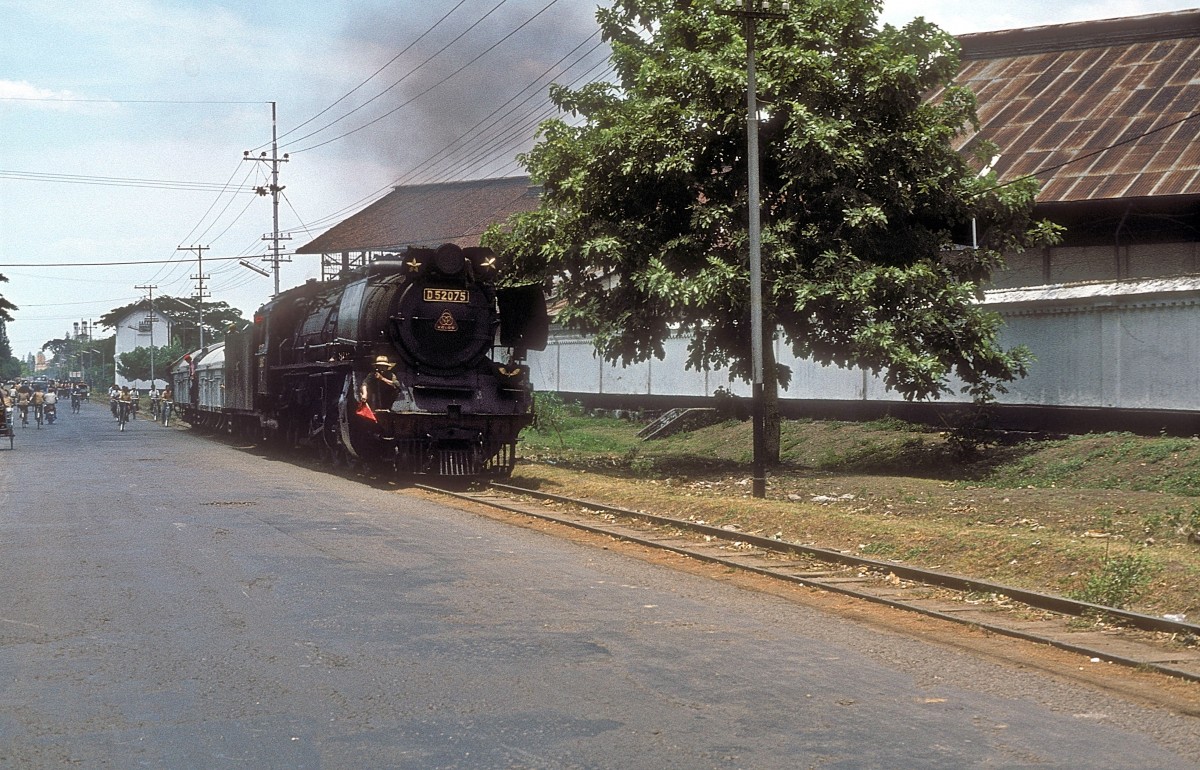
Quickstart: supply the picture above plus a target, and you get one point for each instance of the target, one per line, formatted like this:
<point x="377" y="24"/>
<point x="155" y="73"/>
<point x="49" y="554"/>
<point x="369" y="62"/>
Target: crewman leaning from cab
<point x="377" y="393"/>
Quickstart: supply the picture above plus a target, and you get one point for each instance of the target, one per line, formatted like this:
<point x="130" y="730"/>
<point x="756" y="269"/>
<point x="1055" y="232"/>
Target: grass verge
<point x="1113" y="517"/>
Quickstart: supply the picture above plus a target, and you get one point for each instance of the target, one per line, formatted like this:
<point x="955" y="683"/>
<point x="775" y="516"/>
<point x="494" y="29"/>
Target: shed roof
<point x="428" y="215"/>
<point x="1097" y="110"/>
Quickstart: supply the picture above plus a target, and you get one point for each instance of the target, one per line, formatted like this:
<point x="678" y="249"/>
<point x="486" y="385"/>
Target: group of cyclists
<point x="22" y="399"/>
<point x="125" y="404"/>
<point x="38" y="397"/>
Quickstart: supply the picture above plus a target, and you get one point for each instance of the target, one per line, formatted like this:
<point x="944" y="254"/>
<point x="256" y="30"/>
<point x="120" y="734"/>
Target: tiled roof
<point x="1055" y="99"/>
<point x="428" y="215"/>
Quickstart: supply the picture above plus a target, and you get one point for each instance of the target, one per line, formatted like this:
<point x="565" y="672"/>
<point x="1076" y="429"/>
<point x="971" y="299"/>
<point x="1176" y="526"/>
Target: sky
<point x="124" y="123"/>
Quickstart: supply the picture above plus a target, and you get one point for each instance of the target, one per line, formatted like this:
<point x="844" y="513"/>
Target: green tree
<point x="184" y="315"/>
<point x="135" y="364"/>
<point x="642" y="224"/>
<point x="10" y="365"/>
<point x="90" y="356"/>
<point x="5" y="305"/>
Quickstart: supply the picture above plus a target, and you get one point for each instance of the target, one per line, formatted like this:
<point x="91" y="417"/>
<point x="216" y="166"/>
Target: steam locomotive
<point x="395" y="366"/>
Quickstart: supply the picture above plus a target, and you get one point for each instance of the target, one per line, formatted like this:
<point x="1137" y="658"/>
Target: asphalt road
<point x="174" y="602"/>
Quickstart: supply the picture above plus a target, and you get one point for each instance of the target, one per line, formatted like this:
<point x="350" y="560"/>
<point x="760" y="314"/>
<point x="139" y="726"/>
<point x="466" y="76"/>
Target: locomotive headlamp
<point x="449" y="259"/>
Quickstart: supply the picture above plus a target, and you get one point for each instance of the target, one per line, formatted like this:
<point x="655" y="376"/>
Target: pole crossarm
<point x="274" y="236"/>
<point x="199" y="278"/>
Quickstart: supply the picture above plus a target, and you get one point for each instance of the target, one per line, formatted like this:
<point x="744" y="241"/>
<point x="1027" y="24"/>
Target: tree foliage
<point x="5" y="305"/>
<point x="642" y="227"/>
<point x="184" y="315"/>
<point x="10" y="365"/>
<point x="91" y="356"/>
<point x="136" y="364"/>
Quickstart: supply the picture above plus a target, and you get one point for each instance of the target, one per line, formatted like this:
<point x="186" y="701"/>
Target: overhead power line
<point x="410" y="100"/>
<point x="371" y="77"/>
<point x="114" y="181"/>
<point x="103" y="264"/>
<point x="402" y="78"/>
<point x="123" y="101"/>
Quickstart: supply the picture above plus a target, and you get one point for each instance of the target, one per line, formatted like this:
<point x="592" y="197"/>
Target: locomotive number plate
<point x="447" y="295"/>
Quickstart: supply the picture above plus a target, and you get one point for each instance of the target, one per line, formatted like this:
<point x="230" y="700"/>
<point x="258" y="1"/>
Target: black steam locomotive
<point x="394" y="366"/>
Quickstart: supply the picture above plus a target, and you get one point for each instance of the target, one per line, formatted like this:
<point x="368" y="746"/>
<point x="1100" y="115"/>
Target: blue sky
<point x="122" y="122"/>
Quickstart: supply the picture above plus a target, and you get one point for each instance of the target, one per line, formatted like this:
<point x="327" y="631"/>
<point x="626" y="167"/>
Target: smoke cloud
<point x="448" y="95"/>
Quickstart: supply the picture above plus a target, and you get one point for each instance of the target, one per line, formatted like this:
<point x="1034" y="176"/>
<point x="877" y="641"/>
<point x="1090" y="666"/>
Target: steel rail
<point x="1048" y="602"/>
<point x="1051" y="602"/>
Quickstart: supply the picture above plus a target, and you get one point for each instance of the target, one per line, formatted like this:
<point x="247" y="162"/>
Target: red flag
<point x="365" y="410"/>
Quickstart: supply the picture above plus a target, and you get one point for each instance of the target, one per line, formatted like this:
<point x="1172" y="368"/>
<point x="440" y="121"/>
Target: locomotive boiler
<point x="415" y="364"/>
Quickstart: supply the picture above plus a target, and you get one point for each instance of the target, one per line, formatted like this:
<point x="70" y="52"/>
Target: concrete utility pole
<point x="749" y="17"/>
<point x="199" y="278"/>
<point x="150" y="320"/>
<point x="274" y="236"/>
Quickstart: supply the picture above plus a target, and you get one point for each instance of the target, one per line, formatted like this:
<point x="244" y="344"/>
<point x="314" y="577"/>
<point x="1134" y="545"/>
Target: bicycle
<point x="75" y="403"/>
<point x="39" y="414"/>
<point x="122" y="414"/>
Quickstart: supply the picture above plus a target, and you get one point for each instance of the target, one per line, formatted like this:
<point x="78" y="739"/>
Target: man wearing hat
<point x="381" y="387"/>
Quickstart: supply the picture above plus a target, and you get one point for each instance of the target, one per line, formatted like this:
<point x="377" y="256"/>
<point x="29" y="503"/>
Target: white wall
<point x="1128" y="344"/>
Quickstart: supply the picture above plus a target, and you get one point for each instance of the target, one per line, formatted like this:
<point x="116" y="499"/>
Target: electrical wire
<point x="112" y="181"/>
<point x="479" y="127"/>
<point x="410" y="100"/>
<point x="389" y="63"/>
<point x="404" y="77"/>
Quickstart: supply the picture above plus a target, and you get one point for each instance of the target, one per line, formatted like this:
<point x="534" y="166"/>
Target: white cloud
<point x="30" y="96"/>
<point x="960" y="16"/>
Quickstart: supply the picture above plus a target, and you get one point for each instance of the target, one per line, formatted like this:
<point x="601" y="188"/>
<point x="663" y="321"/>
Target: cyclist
<point x="155" y="395"/>
<point x="124" y="407"/>
<point x="168" y="401"/>
<point x="38" y="400"/>
<point x="24" y="394"/>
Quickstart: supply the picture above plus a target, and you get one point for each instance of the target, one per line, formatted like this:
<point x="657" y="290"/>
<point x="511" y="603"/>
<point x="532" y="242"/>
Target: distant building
<point x="140" y="328"/>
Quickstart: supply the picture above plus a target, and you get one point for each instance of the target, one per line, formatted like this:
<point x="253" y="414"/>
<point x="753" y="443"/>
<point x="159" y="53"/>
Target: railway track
<point x="1125" y="638"/>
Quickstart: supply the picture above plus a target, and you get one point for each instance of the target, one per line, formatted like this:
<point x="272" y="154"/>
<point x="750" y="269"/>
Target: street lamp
<point x="749" y="18"/>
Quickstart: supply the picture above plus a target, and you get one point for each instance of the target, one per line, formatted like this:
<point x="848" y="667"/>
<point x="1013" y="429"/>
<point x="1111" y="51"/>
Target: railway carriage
<point x="452" y="391"/>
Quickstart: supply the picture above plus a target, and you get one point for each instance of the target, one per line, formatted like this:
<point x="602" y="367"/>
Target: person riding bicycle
<point x="24" y="393"/>
<point x="168" y="401"/>
<point x="124" y="406"/>
<point x="114" y="395"/>
<point x="155" y="397"/>
<point x="38" y="399"/>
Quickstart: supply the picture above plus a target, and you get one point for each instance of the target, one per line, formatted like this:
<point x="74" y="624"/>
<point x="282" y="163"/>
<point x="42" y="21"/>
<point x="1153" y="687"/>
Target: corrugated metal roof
<point x="1057" y="99"/>
<point x="428" y="215"/>
<point x="1067" y="293"/>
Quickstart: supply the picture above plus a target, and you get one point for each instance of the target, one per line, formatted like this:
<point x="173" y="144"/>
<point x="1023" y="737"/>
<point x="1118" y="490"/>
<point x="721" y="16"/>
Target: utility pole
<point x="199" y="278"/>
<point x="749" y="18"/>
<point x="274" y="236"/>
<point x="150" y="320"/>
